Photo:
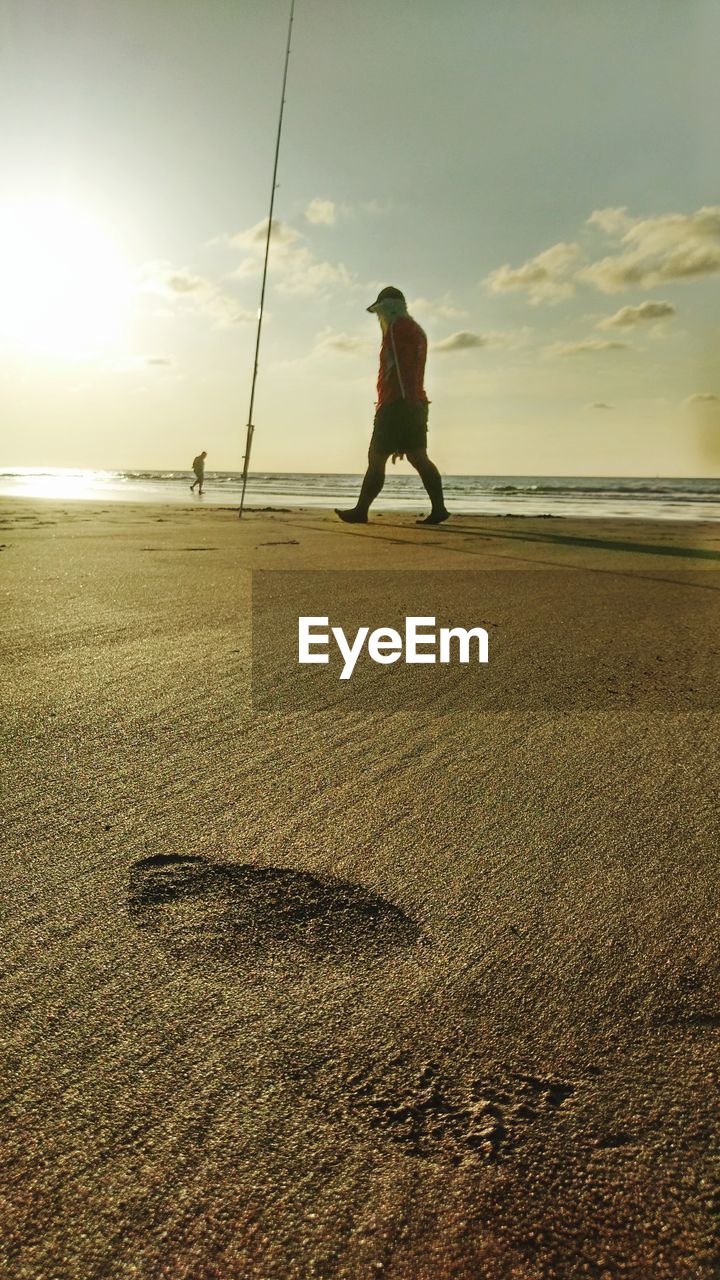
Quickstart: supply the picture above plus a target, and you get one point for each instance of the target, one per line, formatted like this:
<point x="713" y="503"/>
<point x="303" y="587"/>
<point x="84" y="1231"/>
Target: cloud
<point x="655" y="251"/>
<point x="590" y="346"/>
<point x="341" y="343"/>
<point x="248" y="269"/>
<point x="184" y="282"/>
<point x="181" y="288"/>
<point x="645" y="313"/>
<point x="545" y="278"/>
<point x="649" y="252"/>
<point x="612" y="221"/>
<point x="305" y="275"/>
<point x="670" y="230"/>
<point x="445" y="309"/>
<point x="321" y="212"/>
<point x="253" y="240"/>
<point x="225" y="310"/>
<point x="464" y="341"/>
<point x="294" y="267"/>
<point x="282" y="234"/>
<point x="600" y="404"/>
<point x="630" y="271"/>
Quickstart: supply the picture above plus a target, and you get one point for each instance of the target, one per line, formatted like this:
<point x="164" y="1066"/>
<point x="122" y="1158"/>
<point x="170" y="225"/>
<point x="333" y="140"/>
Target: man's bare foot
<point x="353" y="516"/>
<point x="435" y="517"/>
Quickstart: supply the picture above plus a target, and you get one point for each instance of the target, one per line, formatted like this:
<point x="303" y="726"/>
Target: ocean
<point x="601" y="496"/>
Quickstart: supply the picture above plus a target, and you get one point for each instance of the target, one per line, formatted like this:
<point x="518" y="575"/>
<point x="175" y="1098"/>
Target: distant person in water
<point x="199" y="469"/>
<point x="400" y="427"/>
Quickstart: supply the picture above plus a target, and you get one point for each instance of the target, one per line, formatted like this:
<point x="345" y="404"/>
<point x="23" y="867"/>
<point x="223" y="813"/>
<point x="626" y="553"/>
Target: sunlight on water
<point x="62" y="484"/>
<point x="578" y="496"/>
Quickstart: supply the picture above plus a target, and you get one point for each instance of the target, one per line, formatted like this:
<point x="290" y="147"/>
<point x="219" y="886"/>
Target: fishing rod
<point x="250" y="427"/>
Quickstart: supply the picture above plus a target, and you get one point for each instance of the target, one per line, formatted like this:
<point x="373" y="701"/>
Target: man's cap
<point x="388" y="292"/>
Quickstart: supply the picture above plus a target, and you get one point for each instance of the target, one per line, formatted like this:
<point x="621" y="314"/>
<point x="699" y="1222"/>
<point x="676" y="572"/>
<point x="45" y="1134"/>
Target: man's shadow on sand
<point x="522" y="534"/>
<point x="602" y="544"/>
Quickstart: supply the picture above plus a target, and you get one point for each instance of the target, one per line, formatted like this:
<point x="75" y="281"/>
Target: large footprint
<point x="199" y="908"/>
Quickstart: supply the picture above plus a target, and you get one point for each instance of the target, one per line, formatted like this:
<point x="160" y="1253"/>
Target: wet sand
<point x="292" y="996"/>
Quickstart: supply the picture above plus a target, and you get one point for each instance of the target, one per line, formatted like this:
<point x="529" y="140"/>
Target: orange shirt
<point x="402" y="363"/>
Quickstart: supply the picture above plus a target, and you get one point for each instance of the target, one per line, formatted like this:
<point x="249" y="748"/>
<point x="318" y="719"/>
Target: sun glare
<point x="64" y="287"/>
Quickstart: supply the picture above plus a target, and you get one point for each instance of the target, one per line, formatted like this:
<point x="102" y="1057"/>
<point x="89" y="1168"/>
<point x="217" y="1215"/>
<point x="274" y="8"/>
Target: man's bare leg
<point x="372" y="484"/>
<point x="432" y="481"/>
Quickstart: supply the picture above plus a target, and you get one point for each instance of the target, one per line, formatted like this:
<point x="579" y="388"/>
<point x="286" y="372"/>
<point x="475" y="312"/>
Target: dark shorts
<point x="400" y="427"/>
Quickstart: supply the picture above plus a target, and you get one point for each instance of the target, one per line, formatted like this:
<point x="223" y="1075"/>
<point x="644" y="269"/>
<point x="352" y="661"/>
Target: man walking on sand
<point x="400" y="426"/>
<point x="199" y="469"/>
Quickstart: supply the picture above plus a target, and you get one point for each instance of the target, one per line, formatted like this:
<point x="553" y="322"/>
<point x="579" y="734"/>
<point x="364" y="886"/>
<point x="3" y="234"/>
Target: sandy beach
<point x="334" y="995"/>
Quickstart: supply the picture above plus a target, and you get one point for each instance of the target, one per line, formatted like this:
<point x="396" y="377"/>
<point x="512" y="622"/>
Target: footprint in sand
<point x="430" y="1116"/>
<point x="201" y="909"/>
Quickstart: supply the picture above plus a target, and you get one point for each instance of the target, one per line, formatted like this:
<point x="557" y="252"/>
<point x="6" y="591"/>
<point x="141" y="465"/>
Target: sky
<point x="539" y="177"/>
